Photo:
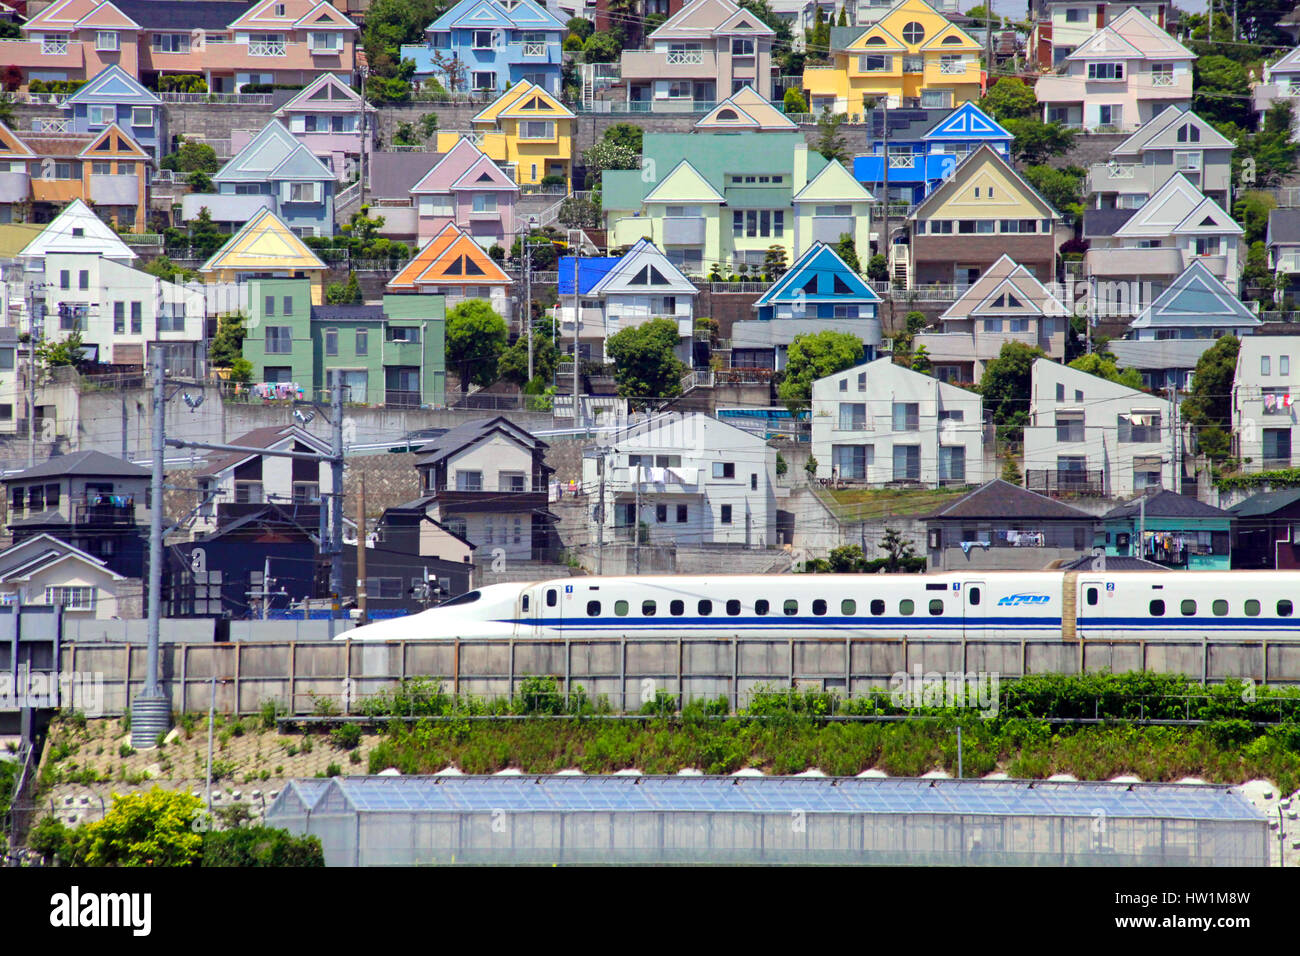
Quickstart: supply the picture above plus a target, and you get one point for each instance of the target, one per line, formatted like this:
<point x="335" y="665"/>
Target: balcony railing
<point x="534" y="49"/>
<point x="953" y="68"/>
<point x="1051" y="481"/>
<point x="1162" y="79"/>
<point x="1275" y="464"/>
<point x="54" y="47"/>
<point x="398" y="398"/>
<point x="265" y="48"/>
<point x="105" y="510"/>
<point x="685" y="57"/>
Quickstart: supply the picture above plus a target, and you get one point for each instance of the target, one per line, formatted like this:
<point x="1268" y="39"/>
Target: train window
<point x="936" y="607"/>
<point x="1093" y="597"/>
<point x="1157" y="608"/>
<point x="525" y="603"/>
<point x="819" y="607"/>
<point x="906" y="607"/>
<point x="469" y="597"/>
<point x="761" y="606"/>
<point x="1220" y="608"/>
<point x="877" y="607"/>
<point x="677" y="608"/>
<point x="791" y="607"/>
<point x="733" y="607"/>
<point x="848" y="607"/>
<point x="1252" y="608"/>
<point x="706" y="608"/>
<point x="593" y="609"/>
<point x="1188" y="607"/>
<point x="648" y="608"/>
<point x="974" y="596"/>
<point x="552" y="596"/>
<point x="620" y="608"/>
<point x="1284" y="608"/>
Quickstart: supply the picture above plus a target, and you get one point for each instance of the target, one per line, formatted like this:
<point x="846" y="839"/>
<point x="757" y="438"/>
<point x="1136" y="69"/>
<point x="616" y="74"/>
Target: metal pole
<point x="151" y="711"/>
<point x="361" y="166"/>
<point x="577" y="304"/>
<point x="212" y="711"/>
<point x="636" y="519"/>
<point x="528" y="296"/>
<point x="266" y="584"/>
<point x="600" y="517"/>
<point x="361" y="554"/>
<point x="336" y="501"/>
<point x="959" y="751"/>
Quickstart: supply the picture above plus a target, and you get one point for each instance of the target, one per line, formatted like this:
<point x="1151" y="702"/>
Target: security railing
<point x="685" y="57"/>
<point x="265" y="48"/>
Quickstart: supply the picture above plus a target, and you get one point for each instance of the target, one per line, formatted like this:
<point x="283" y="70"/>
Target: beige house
<point x="43" y="570"/>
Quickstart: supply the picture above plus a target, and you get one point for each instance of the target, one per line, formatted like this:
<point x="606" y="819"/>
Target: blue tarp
<point x="590" y="271"/>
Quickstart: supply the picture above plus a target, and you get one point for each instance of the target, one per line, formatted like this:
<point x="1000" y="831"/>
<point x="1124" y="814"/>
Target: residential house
<point x="1280" y="84"/>
<point x="882" y="425"/>
<point x="115" y="97"/>
<point x="1174" y="141"/>
<point x="1002" y="527"/>
<point x="1135" y="254"/>
<point x="744" y="112"/>
<point x="1119" y="78"/>
<point x="702" y="54"/>
<point x="697" y="480"/>
<point x="925" y="146"/>
<point x="494" y="43"/>
<point x="1162" y="363"/>
<point x="818" y="293"/>
<point x="390" y="354"/>
<point x="1087" y="435"/>
<point x="46" y="171"/>
<point x="984" y="196"/>
<point x="708" y="201"/>
<point x="1264" y="401"/>
<point x="621" y="292"/>
<point x="1283" y="241"/>
<point x="1266" y="531"/>
<point x="389" y="178"/>
<point x="862" y="12"/>
<point x="408" y="528"/>
<point x="42" y="570"/>
<point x="401" y="582"/>
<point x="486" y="483"/>
<point x="13" y="391"/>
<point x="604" y="18"/>
<point x="326" y="117"/>
<point x="454" y="266"/>
<point x="1006" y="304"/>
<point x="911" y="56"/>
<point x="229" y="43"/>
<point x="235" y="485"/>
<point x="276" y="172"/>
<point x="95" y="503"/>
<point x="264" y="248"/>
<point x="526" y="131"/>
<point x="1061" y="26"/>
<point x="1170" y="529"/>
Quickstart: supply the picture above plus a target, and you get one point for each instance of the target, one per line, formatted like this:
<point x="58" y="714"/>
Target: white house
<point x="698" y="481"/>
<point x="43" y="570"/>
<point x="1089" y="435"/>
<point x="1263" y="408"/>
<point x="882" y="424"/>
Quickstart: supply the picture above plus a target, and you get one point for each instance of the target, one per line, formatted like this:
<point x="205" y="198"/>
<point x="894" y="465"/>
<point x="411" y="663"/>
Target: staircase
<point x="900" y="265"/>
<point x="345" y="202"/>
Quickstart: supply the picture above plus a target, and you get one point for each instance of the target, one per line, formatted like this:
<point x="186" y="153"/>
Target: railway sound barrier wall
<point x="628" y="672"/>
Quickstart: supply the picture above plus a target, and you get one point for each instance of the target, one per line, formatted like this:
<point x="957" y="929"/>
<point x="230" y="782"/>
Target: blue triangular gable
<point x="591" y="269"/>
<point x="112" y="85"/>
<point x="968" y="122"/>
<point x="819" y="275"/>
<point x="472" y="14"/>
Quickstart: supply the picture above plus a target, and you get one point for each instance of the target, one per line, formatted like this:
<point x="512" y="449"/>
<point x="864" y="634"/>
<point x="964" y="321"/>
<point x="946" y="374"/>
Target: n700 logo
<point x="1023" y="600"/>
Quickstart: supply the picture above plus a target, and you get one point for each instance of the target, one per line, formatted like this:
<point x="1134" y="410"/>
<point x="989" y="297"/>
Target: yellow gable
<point x="264" y="242"/>
<point x="915" y="23"/>
<point x="984" y="187"/>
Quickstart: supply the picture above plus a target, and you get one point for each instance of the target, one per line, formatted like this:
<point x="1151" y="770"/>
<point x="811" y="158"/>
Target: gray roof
<point x="841" y="37"/>
<point x="94" y="463"/>
<point x="1001" y="499"/>
<point x="464" y="435"/>
<point x="347" y="313"/>
<point x="184" y="17"/>
<point x="1265" y="503"/>
<point x="1166" y="504"/>
<point x="1113" y="563"/>
<point x="1284" y="225"/>
<point x="650" y="794"/>
<point x="1104" y="222"/>
<point x="393" y="174"/>
<point x="1158" y="353"/>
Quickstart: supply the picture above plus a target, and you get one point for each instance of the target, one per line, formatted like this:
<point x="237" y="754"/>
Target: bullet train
<point x="1069" y="605"/>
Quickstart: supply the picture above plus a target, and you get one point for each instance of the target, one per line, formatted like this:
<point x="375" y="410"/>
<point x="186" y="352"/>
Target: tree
<point x="7" y="108"/>
<point x="1221" y="90"/>
<point x="602" y="47"/>
<point x="830" y="140"/>
<point x="1035" y="142"/>
<point x="144" y="829"/>
<point x="344" y="293"/>
<point x="877" y="268"/>
<point x="578" y="212"/>
<point x="921" y="361"/>
<point x="261" y="846"/>
<point x="1251" y="210"/>
<point x="428" y="124"/>
<point x="913" y="322"/>
<point x="898" y="550"/>
<point x="1011" y="98"/>
<point x="608" y="155"/>
<point x="628" y="135"/>
<point x="205" y="237"/>
<point x="1011" y="471"/>
<point x="847" y="249"/>
<point x="1006" y="388"/>
<point x="194" y="158"/>
<point x="226" y="348"/>
<point x="1063" y="188"/>
<point x="981" y="14"/>
<point x="774" y="262"/>
<point x="645" y="360"/>
<point x="1273" y="149"/>
<point x="818" y="39"/>
<point x="814" y="355"/>
<point x="794" y="101"/>
<point x="476" y="337"/>
<point x="583" y="28"/>
<point x="1210" y="402"/>
<point x="513" y="365"/>
<point x="199" y="182"/>
<point x="843" y="21"/>
<point x="1102" y="367"/>
<point x="163" y="268"/>
<point x="63" y="353"/>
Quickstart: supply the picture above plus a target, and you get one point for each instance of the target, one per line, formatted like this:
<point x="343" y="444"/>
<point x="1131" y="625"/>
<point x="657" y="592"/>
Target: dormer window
<point x="279" y="9"/>
<point x="1187" y="133"/>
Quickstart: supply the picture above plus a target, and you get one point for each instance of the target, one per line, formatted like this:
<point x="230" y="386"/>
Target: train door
<point x="975" y="613"/>
<point x="1090" y="611"/>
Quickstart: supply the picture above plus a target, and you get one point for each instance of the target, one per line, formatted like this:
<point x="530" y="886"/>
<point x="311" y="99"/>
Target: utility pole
<point x="577" y="317"/>
<point x="361" y="165"/>
<point x="336" y="480"/>
<point x="636" y="518"/>
<point x="361" y="554"/>
<point x="528" y="297"/>
<point x="35" y="330"/>
<point x="1092" y="313"/>
<point x="151" y="711"/>
<point x="1173" y="439"/>
<point x="600" y="516"/>
<point x="266" y="585"/>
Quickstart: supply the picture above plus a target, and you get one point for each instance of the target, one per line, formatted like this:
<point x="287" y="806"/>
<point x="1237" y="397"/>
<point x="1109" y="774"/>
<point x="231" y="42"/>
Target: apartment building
<point x="1264" y="402"/>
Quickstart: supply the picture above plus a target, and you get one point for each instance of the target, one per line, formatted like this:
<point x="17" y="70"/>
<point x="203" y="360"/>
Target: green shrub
<point x="260" y="846"/>
<point x="125" y="750"/>
<point x="269" y="711"/>
<point x="346" y="737"/>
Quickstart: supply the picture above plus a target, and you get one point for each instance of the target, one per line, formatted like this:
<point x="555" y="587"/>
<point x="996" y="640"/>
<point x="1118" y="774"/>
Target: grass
<point x="865" y="504"/>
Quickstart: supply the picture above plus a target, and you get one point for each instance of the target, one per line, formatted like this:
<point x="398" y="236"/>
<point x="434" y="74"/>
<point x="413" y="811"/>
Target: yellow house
<point x="911" y="56"/>
<point x="264" y="248"/>
<point x="525" y="129"/>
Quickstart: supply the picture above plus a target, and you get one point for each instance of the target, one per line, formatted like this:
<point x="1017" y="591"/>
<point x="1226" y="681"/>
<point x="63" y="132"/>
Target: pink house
<point x="466" y="188"/>
<point x="326" y="118"/>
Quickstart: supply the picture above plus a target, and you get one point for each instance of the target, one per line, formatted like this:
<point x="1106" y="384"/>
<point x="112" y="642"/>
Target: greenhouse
<point x="445" y="820"/>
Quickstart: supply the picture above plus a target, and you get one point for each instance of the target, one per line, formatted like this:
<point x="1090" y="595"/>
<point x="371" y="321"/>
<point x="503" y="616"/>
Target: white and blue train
<point x="992" y="605"/>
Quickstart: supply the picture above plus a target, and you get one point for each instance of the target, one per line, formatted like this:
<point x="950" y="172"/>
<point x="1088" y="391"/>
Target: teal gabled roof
<point x="1197" y="297"/>
<point x="112" y="85"/>
<point x="967" y="122"/>
<point x="274" y="155"/>
<point x="819" y="275"/>
<point x="485" y="14"/>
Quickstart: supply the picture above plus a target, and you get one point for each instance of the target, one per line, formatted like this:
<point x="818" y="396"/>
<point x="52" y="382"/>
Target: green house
<point x="1170" y="529"/>
<point x="391" y="354"/>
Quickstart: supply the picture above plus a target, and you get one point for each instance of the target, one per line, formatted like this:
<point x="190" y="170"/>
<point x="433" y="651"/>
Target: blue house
<point x="925" y="146"/>
<point x="820" y="292"/>
<point x="274" y="171"/>
<point x="497" y="43"/>
<point x="114" y="96"/>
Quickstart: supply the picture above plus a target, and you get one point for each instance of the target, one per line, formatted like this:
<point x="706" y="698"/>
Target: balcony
<point x="684" y="230"/>
<point x="828" y="229"/>
<point x="648" y="65"/>
<point x="668" y="481"/>
<point x="685" y="57"/>
<point x="54" y="47"/>
<point x="1056" y="483"/>
<point x="105" y="511"/>
<point x="115" y="190"/>
<point x="1162" y="79"/>
<point x="265" y="48"/>
<point x="1121" y="177"/>
<point x="534" y="51"/>
<point x="400" y="398"/>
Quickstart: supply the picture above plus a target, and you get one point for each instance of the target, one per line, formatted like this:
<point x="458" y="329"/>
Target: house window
<point x="469" y="481"/>
<point x="537" y="129"/>
<point x="906" y="416"/>
<point x="1188" y="132"/>
<point x="1265" y="365"/>
<point x="327" y="42"/>
<point x="119" y="318"/>
<point x="483" y="39"/>
<point x="101" y="169"/>
<point x="754" y="223"/>
<point x="248" y="492"/>
<point x="1076" y="15"/>
<point x="853" y="416"/>
<point x="681" y="514"/>
<point x="100" y="115"/>
<point x="1205" y="245"/>
<point x="726" y="514"/>
<point x="137" y="318"/>
<point x="1105" y="71"/>
<point x="913" y="33"/>
<point x="512" y="481"/>
<point x="1284" y="365"/>
<point x="875" y="63"/>
<point x="279" y="340"/>
<point x="171" y="43"/>
<point x="306" y="492"/>
<point x="76" y="598"/>
<point x="742" y="46"/>
<point x="485" y="202"/>
<point x="724" y="469"/>
<point x="952" y="463"/>
<point x="1146" y="472"/>
<point x="484" y="82"/>
<point x="907" y="462"/>
<point x="106" y="40"/>
<point x="142" y="116"/>
<point x="363" y="342"/>
<point x="1110" y="114"/>
<point x="332" y="342"/>
<point x="1069" y="426"/>
<point x="852" y="461"/>
<point x="302" y="192"/>
<point x="403" y="333"/>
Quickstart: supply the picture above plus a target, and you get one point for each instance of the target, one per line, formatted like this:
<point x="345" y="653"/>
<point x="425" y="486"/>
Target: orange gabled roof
<point x="11" y="146"/>
<point x="114" y="142"/>
<point x="61" y="16"/>
<point x="450" y="258"/>
<point x="324" y="14"/>
<point x="107" y="16"/>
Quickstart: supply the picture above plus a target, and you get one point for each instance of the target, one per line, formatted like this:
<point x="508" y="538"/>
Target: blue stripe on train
<point x="893" y="623"/>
